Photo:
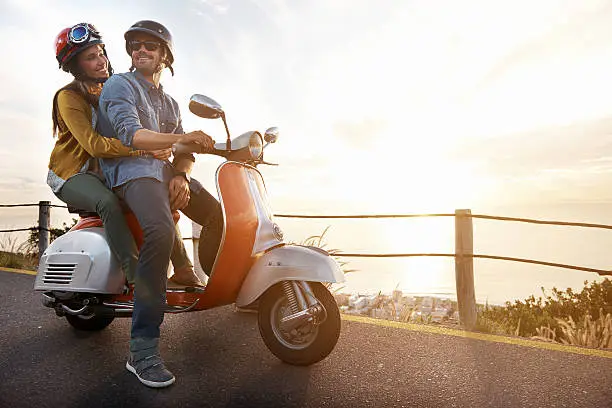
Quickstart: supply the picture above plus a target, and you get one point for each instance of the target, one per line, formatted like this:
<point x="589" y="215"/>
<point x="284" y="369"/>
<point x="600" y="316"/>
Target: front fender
<point x="289" y="262"/>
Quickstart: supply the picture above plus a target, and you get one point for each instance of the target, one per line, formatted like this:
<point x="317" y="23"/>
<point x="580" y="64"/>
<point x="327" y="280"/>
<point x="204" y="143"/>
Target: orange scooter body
<point x="235" y="254"/>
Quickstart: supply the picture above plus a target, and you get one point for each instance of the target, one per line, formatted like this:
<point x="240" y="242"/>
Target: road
<point x="220" y="360"/>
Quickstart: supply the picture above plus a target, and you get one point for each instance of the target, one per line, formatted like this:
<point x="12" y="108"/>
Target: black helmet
<point x="156" y="30"/>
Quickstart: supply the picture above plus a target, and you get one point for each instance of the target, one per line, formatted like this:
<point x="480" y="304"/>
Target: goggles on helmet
<point x="81" y="33"/>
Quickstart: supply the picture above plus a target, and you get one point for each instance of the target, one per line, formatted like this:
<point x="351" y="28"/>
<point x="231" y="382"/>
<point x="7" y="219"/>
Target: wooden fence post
<point x="464" y="268"/>
<point x="44" y="225"/>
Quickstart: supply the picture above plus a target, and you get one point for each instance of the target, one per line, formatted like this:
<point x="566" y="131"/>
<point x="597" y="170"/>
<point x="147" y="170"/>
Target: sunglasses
<point x="149" y="45"/>
<point x="81" y="33"/>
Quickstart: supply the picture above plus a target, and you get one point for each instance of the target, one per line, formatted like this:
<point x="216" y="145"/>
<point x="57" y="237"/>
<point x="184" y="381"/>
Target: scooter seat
<point x="85" y="214"/>
<point x="94" y="220"/>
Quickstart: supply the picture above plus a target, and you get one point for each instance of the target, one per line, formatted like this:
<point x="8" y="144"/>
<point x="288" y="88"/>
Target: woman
<point x="73" y="174"/>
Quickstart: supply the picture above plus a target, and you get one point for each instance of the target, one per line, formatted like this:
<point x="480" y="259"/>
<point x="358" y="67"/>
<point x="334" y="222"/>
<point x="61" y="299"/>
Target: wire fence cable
<point x="601" y="272"/>
<point x="380" y="216"/>
<point x="481" y="216"/>
<point x="31" y="205"/>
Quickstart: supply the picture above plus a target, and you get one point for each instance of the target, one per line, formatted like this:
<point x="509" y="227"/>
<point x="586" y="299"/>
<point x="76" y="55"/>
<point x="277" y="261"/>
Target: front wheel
<point x="306" y="344"/>
<point x="89" y="322"/>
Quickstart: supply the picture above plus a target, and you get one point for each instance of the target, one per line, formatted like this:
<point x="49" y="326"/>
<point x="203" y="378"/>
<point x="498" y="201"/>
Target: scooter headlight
<point x="255" y="146"/>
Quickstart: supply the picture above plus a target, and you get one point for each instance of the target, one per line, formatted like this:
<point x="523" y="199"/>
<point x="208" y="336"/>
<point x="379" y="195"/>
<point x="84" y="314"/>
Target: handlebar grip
<point x="182" y="148"/>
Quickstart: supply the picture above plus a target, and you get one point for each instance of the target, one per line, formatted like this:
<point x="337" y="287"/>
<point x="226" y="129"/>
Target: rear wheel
<point x="306" y="344"/>
<point x="89" y="322"/>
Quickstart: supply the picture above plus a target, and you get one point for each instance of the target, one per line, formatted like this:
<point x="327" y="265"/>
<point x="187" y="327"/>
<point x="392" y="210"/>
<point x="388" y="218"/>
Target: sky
<point x="388" y="106"/>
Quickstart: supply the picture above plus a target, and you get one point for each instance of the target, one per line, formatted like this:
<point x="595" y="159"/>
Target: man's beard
<point x="148" y="70"/>
<point x="152" y="71"/>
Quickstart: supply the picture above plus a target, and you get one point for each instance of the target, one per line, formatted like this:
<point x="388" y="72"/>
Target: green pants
<point x="89" y="193"/>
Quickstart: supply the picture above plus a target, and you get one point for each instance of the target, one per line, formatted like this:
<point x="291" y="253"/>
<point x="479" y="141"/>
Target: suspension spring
<point x="290" y="294"/>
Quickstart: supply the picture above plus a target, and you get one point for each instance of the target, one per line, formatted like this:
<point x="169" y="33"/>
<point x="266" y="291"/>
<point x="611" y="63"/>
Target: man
<point x="134" y="108"/>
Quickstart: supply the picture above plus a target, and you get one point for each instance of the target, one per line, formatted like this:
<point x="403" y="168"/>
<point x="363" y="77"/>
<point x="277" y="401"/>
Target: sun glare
<point x="415" y="182"/>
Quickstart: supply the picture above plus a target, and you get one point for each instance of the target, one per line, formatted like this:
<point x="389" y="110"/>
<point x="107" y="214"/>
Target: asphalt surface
<point x="220" y="360"/>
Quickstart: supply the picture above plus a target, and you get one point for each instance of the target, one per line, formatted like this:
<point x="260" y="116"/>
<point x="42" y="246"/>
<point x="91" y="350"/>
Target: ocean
<point x="496" y="281"/>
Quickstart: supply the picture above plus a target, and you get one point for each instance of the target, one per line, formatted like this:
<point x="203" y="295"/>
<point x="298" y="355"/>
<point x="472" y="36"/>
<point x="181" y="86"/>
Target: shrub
<point x="533" y="316"/>
<point x="31" y="245"/>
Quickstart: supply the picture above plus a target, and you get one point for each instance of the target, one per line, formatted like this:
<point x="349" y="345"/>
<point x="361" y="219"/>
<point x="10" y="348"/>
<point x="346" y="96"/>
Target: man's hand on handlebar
<point x="200" y="138"/>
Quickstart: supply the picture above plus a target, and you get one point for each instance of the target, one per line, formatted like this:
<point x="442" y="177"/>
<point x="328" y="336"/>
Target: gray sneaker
<point x="151" y="371"/>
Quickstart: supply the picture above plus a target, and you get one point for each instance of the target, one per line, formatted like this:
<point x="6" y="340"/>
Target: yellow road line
<point x="12" y="270"/>
<point x="480" y="336"/>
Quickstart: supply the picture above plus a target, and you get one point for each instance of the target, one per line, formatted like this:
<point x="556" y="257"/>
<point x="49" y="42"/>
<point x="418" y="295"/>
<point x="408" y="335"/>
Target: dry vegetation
<point x="14" y="255"/>
<point x="577" y="318"/>
<point x="588" y="332"/>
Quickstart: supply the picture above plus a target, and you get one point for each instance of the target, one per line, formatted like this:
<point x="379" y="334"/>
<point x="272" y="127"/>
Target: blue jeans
<point x="148" y="200"/>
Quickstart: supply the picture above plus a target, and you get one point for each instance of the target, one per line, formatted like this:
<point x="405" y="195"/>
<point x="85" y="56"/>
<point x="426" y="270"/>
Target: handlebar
<point x="182" y="148"/>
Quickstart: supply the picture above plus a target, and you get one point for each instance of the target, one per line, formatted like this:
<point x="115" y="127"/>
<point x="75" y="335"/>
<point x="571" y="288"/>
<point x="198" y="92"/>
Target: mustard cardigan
<point x="77" y="141"/>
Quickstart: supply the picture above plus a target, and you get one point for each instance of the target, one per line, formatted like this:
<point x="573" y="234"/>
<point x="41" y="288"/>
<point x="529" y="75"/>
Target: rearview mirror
<point x="205" y="107"/>
<point x="271" y="135"/>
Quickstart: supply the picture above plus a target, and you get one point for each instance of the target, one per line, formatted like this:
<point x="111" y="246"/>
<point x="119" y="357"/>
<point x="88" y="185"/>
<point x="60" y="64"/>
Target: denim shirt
<point x="129" y="103"/>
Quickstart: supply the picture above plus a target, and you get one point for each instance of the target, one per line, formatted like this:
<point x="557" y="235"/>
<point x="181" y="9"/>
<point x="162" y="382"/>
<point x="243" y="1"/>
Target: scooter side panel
<point x="268" y="232"/>
<point x="234" y="257"/>
<point x="289" y="262"/>
<point x="80" y="261"/>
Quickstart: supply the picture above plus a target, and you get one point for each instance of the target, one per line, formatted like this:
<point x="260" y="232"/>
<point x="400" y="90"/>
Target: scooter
<point x="298" y="317"/>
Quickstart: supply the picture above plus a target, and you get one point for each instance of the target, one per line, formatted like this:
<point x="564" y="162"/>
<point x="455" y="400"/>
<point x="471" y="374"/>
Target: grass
<point x="14" y="255"/>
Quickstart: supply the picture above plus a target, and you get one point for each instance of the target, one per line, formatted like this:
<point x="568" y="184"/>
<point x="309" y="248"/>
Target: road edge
<point x="518" y="341"/>
<point x="21" y="271"/>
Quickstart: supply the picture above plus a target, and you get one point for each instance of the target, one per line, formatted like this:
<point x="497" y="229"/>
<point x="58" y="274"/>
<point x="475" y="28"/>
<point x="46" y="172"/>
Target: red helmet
<point x="72" y="40"/>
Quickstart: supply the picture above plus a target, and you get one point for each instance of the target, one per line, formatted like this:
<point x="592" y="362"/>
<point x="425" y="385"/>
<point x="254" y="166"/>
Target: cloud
<point x="582" y="142"/>
<point x="362" y="134"/>
<point x="581" y="32"/>
<point x="569" y="162"/>
<point x="218" y="6"/>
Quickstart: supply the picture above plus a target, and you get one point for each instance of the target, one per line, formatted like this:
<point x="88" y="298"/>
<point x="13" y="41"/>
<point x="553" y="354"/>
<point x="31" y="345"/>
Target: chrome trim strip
<point x="187" y="289"/>
<point x="128" y="307"/>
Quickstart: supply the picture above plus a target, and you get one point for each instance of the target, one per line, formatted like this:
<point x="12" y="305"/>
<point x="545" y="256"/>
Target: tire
<point x="89" y="323"/>
<point x="312" y="343"/>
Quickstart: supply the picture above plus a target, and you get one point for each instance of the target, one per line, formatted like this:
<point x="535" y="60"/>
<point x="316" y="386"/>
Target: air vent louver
<point x="59" y="274"/>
